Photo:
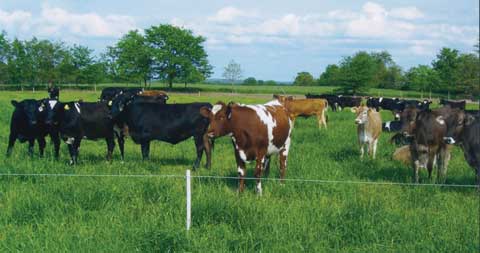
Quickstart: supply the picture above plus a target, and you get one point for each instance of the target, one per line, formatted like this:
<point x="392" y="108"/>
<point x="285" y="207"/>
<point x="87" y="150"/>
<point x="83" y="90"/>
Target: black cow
<point x="422" y="105"/>
<point x="331" y="99"/>
<point x="454" y="104"/>
<point x="172" y="123"/>
<point x="392" y="126"/>
<point x="53" y="92"/>
<point x="110" y="93"/>
<point x="374" y="103"/>
<point x="348" y="101"/>
<point x="27" y="124"/>
<point x="79" y="120"/>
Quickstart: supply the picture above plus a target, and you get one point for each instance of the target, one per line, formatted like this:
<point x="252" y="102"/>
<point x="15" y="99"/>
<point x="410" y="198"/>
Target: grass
<point x="147" y="214"/>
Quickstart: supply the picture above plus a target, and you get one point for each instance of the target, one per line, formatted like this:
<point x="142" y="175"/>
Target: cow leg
<point x="74" y="150"/>
<point x="362" y="146"/>
<point x="11" y="142"/>
<point x="266" y="166"/>
<point x="374" y="148"/>
<point x="56" y="144"/>
<point x="208" y="150"/>
<point x="41" y="145"/>
<point x="416" y="168"/>
<point x="145" y="149"/>
<point x="241" y="170"/>
<point x="199" y="146"/>
<point x="31" y="143"/>
<point x="110" y="146"/>
<point x="121" y="145"/>
<point x="71" y="151"/>
<point x="258" y="173"/>
<point x="430" y="164"/>
<point x="443" y="158"/>
<point x="282" y="156"/>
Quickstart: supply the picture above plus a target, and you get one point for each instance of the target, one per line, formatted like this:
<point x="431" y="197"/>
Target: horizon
<point x="270" y="41"/>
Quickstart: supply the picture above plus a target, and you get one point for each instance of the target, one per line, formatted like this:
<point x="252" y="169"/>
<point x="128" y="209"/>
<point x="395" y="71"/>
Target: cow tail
<point x="212" y="143"/>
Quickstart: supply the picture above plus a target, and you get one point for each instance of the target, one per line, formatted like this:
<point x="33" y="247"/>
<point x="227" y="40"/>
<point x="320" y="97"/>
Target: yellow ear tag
<point x="110" y="103"/>
<point x="66" y="107"/>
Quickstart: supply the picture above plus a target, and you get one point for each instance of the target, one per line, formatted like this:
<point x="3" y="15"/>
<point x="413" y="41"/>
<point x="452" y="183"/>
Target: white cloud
<point x="18" y="19"/>
<point x="409" y="13"/>
<point x="229" y="14"/>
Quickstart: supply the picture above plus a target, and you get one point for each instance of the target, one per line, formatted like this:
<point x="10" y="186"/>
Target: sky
<point x="271" y="40"/>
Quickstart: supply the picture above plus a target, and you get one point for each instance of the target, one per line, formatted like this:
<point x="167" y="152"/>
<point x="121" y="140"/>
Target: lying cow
<point x="257" y="131"/>
<point x="172" y="123"/>
<point x="27" y="124"/>
<point x="82" y="120"/>
<point x="454" y="104"/>
<point x="369" y="128"/>
<point x="305" y="107"/>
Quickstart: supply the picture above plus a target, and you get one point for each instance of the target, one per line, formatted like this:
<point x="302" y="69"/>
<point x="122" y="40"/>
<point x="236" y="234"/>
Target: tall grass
<point x="148" y="214"/>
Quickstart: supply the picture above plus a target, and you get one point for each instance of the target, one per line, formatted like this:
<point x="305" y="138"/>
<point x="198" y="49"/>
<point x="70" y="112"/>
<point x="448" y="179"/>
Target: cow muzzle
<point x="449" y="140"/>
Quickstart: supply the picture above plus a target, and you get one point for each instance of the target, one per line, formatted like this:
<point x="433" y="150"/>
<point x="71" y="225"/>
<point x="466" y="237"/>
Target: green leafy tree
<point x="175" y="51"/>
<point x="447" y="64"/>
<point x="468" y="74"/>
<point x="110" y="63"/>
<point x="330" y="76"/>
<point x="304" y="79"/>
<point x="250" y="81"/>
<point x="4" y="54"/>
<point x="422" y="78"/>
<point x="134" y="57"/>
<point x="270" y="83"/>
<point x="357" y="73"/>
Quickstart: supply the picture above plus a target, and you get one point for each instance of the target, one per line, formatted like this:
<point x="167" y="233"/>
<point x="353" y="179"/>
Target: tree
<point x="81" y="59"/>
<point x="446" y="65"/>
<point x="175" y="51"/>
<point x="250" y="81"/>
<point x="134" y="57"/>
<point x="468" y="75"/>
<point x="357" y="73"/>
<point x="232" y="72"/>
<point x="304" y="79"/>
<point x="4" y="54"/>
<point x="110" y="63"/>
<point x="330" y="76"/>
<point x="422" y="78"/>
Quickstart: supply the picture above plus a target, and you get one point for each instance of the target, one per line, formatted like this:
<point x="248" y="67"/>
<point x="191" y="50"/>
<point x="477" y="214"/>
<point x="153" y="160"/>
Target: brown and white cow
<point x="369" y="128"/>
<point x="257" y="131"/>
<point x="305" y="107"/>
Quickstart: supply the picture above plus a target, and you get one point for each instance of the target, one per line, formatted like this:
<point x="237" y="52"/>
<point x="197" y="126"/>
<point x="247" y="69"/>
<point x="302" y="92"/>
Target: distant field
<point x="51" y="214"/>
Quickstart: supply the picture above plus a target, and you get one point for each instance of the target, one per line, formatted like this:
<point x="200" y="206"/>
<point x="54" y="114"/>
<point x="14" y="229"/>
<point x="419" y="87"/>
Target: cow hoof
<point x="71" y="163"/>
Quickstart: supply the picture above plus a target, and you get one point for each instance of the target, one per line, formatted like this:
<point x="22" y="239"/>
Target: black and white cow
<point x="27" y="124"/>
<point x="172" y="123"/>
<point x="110" y="93"/>
<point x="82" y="120"/>
<point x="348" y="101"/>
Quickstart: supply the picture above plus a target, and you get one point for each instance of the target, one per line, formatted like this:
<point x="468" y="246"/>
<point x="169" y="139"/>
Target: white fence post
<point x="189" y="200"/>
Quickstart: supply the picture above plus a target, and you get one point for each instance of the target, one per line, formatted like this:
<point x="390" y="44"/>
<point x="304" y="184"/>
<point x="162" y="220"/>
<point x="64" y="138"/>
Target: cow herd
<point x="257" y="131"/>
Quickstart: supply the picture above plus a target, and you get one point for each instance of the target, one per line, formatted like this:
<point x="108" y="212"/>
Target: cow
<point x="110" y="93"/>
<point x="374" y="103"/>
<point x="348" y="101"/>
<point x="369" y="128"/>
<point x="403" y="155"/>
<point x="392" y="126"/>
<point x="427" y="133"/>
<point x="157" y="95"/>
<point x="257" y="132"/>
<point x="305" y="107"/>
<point x="53" y="93"/>
<point x="454" y="104"/>
<point x="331" y="99"/>
<point x="27" y="124"/>
<point x="466" y="134"/>
<point x="85" y="120"/>
<point x="172" y="123"/>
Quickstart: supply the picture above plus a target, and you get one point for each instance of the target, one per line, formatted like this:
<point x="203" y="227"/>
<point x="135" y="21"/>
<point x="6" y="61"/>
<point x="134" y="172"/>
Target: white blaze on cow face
<point x="241" y="172"/>
<point x="77" y="106"/>
<point x="52" y="103"/>
<point x="216" y="108"/>
<point x="362" y="116"/>
<point x="440" y="120"/>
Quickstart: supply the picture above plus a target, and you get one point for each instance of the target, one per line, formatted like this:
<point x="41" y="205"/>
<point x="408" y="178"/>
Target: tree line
<point x="450" y="72"/>
<point x="163" y="52"/>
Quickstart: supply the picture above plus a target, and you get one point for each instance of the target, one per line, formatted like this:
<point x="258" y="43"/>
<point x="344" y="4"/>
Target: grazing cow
<point x="454" y="104"/>
<point x="305" y="107"/>
<point x="348" y="101"/>
<point x="428" y="147"/>
<point x="82" y="120"/>
<point x="110" y="93"/>
<point x="172" y="123"/>
<point x="27" y="124"/>
<point x="53" y="93"/>
<point x="257" y="131"/>
<point x="369" y="128"/>
<point x="331" y="99"/>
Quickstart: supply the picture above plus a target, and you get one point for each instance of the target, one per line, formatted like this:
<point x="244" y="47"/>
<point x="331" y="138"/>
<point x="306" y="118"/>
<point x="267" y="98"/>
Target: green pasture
<point x="142" y="214"/>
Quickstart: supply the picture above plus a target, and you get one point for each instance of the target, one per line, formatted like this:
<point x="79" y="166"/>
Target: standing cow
<point x="369" y="128"/>
<point x="305" y="107"/>
<point x="257" y="131"/>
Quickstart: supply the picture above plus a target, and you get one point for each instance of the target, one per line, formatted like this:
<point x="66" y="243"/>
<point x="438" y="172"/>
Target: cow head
<point x="408" y="117"/>
<point x="456" y="121"/>
<point x="362" y="113"/>
<point x="53" y="92"/>
<point x="282" y="99"/>
<point x="54" y="110"/>
<point x="219" y="116"/>
<point x="119" y="104"/>
<point x="32" y="109"/>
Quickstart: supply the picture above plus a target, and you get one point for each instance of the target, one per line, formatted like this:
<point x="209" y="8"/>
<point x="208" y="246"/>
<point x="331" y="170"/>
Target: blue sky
<point x="270" y="39"/>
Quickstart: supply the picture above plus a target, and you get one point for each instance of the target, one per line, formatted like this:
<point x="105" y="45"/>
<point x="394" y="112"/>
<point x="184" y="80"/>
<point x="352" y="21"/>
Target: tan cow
<point x="369" y="128"/>
<point x="305" y="107"/>
<point x="403" y="155"/>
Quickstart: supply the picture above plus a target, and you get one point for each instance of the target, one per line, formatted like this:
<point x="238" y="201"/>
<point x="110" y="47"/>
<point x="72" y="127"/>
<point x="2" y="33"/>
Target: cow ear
<point x="205" y="112"/>
<point x="354" y="109"/>
<point x="275" y="96"/>
<point x="469" y="119"/>
<point x="14" y="103"/>
<point x="229" y="111"/>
